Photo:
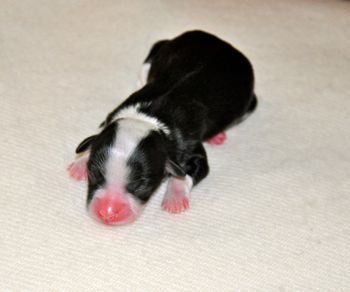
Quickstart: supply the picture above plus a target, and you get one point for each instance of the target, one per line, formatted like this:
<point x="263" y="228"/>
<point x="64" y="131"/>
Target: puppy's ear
<point x="85" y="144"/>
<point x="174" y="168"/>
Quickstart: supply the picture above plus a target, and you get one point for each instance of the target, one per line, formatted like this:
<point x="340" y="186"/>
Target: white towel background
<point x="274" y="213"/>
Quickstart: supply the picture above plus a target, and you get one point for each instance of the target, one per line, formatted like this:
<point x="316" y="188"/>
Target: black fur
<point x="198" y="85"/>
<point x="98" y="156"/>
<point x="147" y="166"/>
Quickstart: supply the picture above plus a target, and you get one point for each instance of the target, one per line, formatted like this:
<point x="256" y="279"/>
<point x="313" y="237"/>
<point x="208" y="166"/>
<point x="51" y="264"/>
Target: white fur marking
<point x="130" y="133"/>
<point x="185" y="185"/>
<point x="143" y="76"/>
<point x="131" y="112"/>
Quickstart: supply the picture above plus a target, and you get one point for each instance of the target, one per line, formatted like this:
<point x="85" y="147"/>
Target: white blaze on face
<point x="129" y="134"/>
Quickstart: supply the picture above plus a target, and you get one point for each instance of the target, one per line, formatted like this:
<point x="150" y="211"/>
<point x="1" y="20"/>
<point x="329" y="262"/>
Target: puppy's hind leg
<point x="218" y="139"/>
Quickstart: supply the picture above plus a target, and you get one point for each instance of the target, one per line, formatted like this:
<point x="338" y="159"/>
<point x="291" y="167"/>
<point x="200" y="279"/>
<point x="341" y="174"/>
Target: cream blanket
<point x="274" y="213"/>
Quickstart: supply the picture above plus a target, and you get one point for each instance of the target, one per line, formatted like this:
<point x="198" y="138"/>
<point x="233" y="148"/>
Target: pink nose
<point x="111" y="209"/>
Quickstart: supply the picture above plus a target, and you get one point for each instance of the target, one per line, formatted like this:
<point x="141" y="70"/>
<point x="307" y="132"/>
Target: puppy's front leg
<point x="176" y="198"/>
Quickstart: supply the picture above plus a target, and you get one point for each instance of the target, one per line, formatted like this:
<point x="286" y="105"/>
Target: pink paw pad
<point x="78" y="169"/>
<point x="218" y="139"/>
<point x="175" y="204"/>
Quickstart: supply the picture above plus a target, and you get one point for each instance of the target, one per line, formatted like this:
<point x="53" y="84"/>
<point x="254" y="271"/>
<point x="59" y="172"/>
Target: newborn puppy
<point x="192" y="88"/>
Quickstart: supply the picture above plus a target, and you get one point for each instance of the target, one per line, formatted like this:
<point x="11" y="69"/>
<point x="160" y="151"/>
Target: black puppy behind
<point x="192" y="88"/>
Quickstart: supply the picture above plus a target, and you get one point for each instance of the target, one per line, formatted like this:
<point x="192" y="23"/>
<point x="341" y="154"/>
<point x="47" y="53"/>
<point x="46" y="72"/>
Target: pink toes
<point x="217" y="139"/>
<point x="175" y="204"/>
<point x="78" y="169"/>
<point x="176" y="196"/>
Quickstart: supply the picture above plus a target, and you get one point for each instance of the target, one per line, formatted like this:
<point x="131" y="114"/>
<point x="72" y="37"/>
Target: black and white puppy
<point x="192" y="88"/>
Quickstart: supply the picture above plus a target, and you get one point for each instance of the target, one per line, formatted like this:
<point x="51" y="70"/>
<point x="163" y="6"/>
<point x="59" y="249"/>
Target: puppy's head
<point x="127" y="163"/>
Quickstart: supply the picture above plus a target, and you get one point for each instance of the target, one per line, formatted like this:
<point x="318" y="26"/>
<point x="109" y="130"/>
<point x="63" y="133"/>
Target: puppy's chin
<point x="114" y="208"/>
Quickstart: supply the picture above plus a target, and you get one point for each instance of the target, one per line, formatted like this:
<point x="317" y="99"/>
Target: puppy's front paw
<point x="78" y="169"/>
<point x="176" y="198"/>
<point x="175" y="203"/>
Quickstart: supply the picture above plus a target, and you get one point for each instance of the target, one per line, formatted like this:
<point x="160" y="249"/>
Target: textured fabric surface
<point x="274" y="213"/>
